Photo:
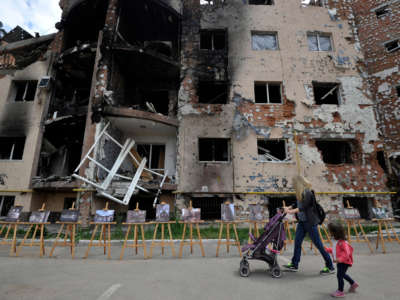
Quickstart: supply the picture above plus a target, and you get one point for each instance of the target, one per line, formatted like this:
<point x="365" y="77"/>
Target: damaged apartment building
<point x="191" y="100"/>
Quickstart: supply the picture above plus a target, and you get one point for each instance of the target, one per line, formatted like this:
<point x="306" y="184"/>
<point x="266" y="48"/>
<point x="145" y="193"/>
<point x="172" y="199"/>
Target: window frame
<point x="395" y="49"/>
<point x="14" y="90"/>
<point x="149" y="161"/>
<point x="212" y="32"/>
<point x="13" y="149"/>
<point x="3" y="199"/>
<point x="265" y="33"/>
<point x="383" y="7"/>
<point x="332" y="141"/>
<point x="286" y="148"/>
<point x="228" y="140"/>
<point x="318" y="35"/>
<point x="267" y="84"/>
<point x="335" y="85"/>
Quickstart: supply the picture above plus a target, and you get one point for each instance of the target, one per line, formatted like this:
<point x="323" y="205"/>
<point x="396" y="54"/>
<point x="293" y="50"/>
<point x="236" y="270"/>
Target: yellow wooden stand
<point x="253" y="227"/>
<point x="135" y="243"/>
<point x="227" y="237"/>
<point x="162" y="243"/>
<point x="70" y="229"/>
<point x="105" y="236"/>
<point x="13" y="242"/>
<point x="37" y="227"/>
<point x="387" y="223"/>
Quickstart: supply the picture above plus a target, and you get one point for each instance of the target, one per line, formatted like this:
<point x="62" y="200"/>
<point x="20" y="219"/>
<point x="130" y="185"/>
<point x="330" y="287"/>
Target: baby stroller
<point x="274" y="232"/>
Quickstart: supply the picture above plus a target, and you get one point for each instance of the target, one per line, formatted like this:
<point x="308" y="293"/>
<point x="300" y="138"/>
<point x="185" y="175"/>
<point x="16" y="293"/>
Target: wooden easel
<point x="253" y="227"/>
<point x="227" y="237"/>
<point x="38" y="226"/>
<point x="191" y="243"/>
<point x="352" y="223"/>
<point x="104" y="239"/>
<point x="135" y="244"/>
<point x="70" y="229"/>
<point x="387" y="223"/>
<point x="162" y="243"/>
<point x="13" y="242"/>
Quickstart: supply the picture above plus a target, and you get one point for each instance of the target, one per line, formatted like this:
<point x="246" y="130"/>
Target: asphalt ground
<point x="190" y="277"/>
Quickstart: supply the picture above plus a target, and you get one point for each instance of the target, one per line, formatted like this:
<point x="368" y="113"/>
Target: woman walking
<point x="307" y="223"/>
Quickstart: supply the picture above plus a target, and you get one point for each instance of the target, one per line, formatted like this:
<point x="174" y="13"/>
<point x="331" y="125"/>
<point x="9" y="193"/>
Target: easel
<point x="38" y="226"/>
<point x="70" y="228"/>
<point x="135" y="244"/>
<point x="253" y="227"/>
<point x="103" y="240"/>
<point x="162" y="243"/>
<point x="227" y="237"/>
<point x="191" y="243"/>
<point x="13" y="242"/>
<point x="386" y="223"/>
<point x="353" y="223"/>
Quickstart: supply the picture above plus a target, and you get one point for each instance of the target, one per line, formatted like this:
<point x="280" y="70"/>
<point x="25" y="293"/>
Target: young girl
<point x="342" y="254"/>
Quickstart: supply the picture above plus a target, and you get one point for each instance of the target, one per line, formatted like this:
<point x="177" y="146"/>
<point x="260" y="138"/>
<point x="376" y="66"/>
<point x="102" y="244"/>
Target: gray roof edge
<point x="28" y="42"/>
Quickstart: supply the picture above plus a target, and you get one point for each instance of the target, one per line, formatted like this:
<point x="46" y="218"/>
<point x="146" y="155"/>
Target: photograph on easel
<point x="39" y="216"/>
<point x="13" y="214"/>
<point x="227" y="212"/>
<point x="256" y="212"/>
<point x="380" y="213"/>
<point x="136" y="216"/>
<point x="104" y="216"/>
<point x="69" y="215"/>
<point x="191" y="215"/>
<point x="351" y="213"/>
<point x="162" y="213"/>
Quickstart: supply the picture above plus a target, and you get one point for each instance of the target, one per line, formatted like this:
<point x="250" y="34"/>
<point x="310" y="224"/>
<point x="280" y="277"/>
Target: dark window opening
<point x="380" y="156"/>
<point x="277" y="202"/>
<point x="383" y="11"/>
<point x="362" y="204"/>
<point x="212" y="39"/>
<point x="271" y="150"/>
<point x="316" y="3"/>
<point x="261" y="2"/>
<point x="392" y="46"/>
<point x="25" y="90"/>
<point x="68" y="203"/>
<point x="335" y="152"/>
<point x="159" y="100"/>
<point x="326" y="93"/>
<point x="210" y="208"/>
<point x="12" y="148"/>
<point x="398" y="90"/>
<point x="155" y="155"/>
<point x="267" y="92"/>
<point x="6" y="202"/>
<point x="145" y="203"/>
<point x="212" y="92"/>
<point x="213" y="149"/>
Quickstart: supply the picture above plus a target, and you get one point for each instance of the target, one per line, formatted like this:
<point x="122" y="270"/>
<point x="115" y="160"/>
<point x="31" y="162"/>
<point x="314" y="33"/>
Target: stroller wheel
<point x="244" y="269"/>
<point x="276" y="272"/>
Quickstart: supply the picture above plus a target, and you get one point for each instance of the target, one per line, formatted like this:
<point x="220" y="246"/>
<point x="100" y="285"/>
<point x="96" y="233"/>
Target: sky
<point x="32" y="15"/>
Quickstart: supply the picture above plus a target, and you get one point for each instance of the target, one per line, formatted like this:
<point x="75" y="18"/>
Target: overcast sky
<point x="32" y="15"/>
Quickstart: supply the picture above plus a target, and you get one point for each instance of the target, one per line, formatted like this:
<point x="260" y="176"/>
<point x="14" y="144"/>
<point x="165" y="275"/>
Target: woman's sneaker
<point x="338" y="294"/>
<point x="353" y="287"/>
<point x="291" y="267"/>
<point x="327" y="271"/>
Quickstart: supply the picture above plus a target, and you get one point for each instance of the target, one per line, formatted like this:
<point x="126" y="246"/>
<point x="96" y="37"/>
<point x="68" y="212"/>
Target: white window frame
<point x="151" y="154"/>
<point x="265" y="33"/>
<point x="395" y="49"/>
<point x="272" y="158"/>
<point x="267" y="87"/>
<point x="25" y="91"/>
<point x="12" y="153"/>
<point x="2" y="199"/>
<point x="318" y="35"/>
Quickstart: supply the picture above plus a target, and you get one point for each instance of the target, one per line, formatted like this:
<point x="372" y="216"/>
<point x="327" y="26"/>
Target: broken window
<point x="24" y="90"/>
<point x="12" y="148"/>
<point x="145" y="203"/>
<point x="210" y="208"/>
<point x="264" y="41"/>
<point x="392" y="46"/>
<point x="277" y="202"/>
<point x="312" y="3"/>
<point x="335" y="152"/>
<point x="380" y="156"/>
<point x="212" y="39"/>
<point x="362" y="204"/>
<point x="211" y="2"/>
<point x="382" y="11"/>
<point x="155" y="155"/>
<point x="261" y="2"/>
<point x="326" y="93"/>
<point x="398" y="90"/>
<point x="319" y="42"/>
<point x="157" y="101"/>
<point x="68" y="202"/>
<point x="6" y="202"/>
<point x="271" y="150"/>
<point x="211" y="149"/>
<point x="267" y="92"/>
<point x="213" y="92"/>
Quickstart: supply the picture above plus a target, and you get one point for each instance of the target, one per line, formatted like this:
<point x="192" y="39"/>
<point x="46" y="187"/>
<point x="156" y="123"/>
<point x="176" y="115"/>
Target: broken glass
<point x="264" y="42"/>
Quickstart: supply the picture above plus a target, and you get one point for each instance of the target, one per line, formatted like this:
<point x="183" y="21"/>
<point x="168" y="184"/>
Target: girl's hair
<point x="337" y="230"/>
<point x="300" y="184"/>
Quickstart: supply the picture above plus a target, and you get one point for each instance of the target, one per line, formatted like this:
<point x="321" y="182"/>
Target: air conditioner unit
<point x="44" y="82"/>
